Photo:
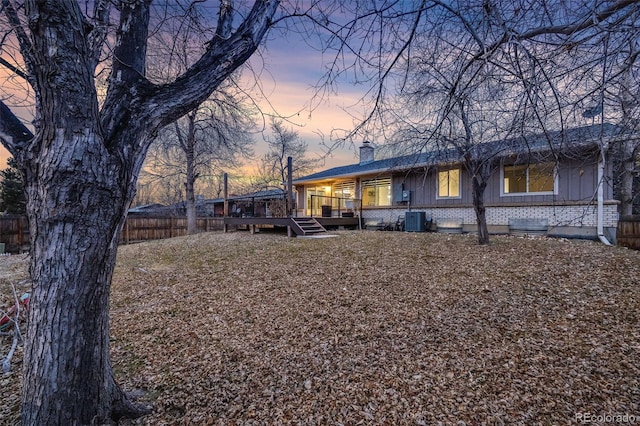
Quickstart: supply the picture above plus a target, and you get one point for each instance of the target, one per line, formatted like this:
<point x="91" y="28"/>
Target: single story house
<point x="559" y="180"/>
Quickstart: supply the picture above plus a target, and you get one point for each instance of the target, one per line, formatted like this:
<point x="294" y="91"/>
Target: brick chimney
<point x="366" y="153"/>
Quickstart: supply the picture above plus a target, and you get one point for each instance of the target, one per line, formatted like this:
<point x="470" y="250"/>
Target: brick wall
<point x="583" y="215"/>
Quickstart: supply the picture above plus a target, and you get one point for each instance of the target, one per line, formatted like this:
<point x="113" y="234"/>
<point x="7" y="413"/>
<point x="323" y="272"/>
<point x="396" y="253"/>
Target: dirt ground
<point x="378" y="328"/>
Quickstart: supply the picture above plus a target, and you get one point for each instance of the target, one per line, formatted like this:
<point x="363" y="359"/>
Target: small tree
<point x="216" y="134"/>
<point x="12" y="198"/>
<point x="199" y="145"/>
<point x="283" y="143"/>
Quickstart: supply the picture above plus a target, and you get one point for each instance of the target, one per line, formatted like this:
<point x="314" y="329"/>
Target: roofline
<point x="354" y="175"/>
<point x="372" y="171"/>
<point x="591" y="142"/>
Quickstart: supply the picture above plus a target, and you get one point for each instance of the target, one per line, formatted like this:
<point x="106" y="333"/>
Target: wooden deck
<point x="326" y="222"/>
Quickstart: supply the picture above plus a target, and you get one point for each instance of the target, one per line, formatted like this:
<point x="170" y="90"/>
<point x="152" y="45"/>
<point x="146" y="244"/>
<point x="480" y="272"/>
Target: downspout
<point x="604" y="145"/>
<point x="600" y="210"/>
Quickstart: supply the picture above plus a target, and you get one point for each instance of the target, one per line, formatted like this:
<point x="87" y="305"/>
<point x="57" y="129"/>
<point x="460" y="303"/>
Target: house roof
<point x="145" y="208"/>
<point x="395" y="163"/>
<point x="266" y="193"/>
<point x="560" y="140"/>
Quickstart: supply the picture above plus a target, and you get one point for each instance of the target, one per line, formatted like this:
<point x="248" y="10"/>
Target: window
<point x="449" y="183"/>
<point x="528" y="179"/>
<point x="343" y="194"/>
<point x="316" y="198"/>
<point x="376" y="192"/>
<point x="344" y="189"/>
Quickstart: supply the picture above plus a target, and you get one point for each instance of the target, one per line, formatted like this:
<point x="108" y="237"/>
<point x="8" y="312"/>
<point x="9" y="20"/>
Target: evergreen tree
<point x="12" y="198"/>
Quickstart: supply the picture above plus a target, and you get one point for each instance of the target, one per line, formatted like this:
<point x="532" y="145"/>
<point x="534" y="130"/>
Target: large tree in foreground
<point x="80" y="165"/>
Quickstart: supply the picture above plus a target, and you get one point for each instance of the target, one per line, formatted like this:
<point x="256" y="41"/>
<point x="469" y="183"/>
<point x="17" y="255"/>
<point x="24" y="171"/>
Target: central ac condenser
<point x="415" y="222"/>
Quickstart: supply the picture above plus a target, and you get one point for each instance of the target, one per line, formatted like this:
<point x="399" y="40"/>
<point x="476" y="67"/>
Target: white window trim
<point x="525" y="194"/>
<point x="456" y="197"/>
<point x="377" y="181"/>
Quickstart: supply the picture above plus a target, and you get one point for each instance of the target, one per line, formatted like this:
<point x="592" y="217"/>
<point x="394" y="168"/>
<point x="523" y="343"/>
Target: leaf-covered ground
<point x="379" y="328"/>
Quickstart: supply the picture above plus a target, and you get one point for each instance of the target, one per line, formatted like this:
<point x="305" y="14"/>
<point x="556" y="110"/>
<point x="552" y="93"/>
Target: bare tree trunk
<point x="478" y="207"/>
<point x="191" y="175"/>
<point x="76" y="211"/>
<point x="478" y="186"/>
<point x="626" y="152"/>
<point x="625" y="187"/>
<point x="192" y="226"/>
<point x="80" y="171"/>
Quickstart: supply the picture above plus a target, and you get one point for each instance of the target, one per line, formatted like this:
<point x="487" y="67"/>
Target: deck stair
<point x="306" y="226"/>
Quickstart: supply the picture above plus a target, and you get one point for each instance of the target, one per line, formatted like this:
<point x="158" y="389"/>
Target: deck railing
<point x="325" y="206"/>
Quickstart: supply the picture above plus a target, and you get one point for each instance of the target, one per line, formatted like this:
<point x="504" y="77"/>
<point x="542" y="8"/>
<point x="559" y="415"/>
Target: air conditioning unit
<point x="415" y="222"/>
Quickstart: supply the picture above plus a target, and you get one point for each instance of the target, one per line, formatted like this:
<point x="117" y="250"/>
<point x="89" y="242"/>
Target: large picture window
<point x="449" y="183"/>
<point x="529" y="179"/>
<point x="376" y="192"/>
<point x="344" y="190"/>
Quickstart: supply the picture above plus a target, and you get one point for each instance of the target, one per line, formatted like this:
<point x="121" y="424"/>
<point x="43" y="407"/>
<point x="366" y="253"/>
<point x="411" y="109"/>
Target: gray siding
<point x="576" y="182"/>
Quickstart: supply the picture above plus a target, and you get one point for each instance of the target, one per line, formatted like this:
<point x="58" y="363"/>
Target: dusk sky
<point x="291" y="70"/>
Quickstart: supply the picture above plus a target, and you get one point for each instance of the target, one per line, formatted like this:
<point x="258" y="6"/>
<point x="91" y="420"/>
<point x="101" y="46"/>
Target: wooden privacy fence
<point x="14" y="229"/>
<point x="143" y="228"/>
<point x="628" y="232"/>
<point x="14" y="233"/>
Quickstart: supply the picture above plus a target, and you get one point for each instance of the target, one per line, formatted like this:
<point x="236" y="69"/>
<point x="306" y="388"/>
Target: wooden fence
<point x="628" y="232"/>
<point x="14" y="233"/>
<point x="143" y="228"/>
<point x="14" y="229"/>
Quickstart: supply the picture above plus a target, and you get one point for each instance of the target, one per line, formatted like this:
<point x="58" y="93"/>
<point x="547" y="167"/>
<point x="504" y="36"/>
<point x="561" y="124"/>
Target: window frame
<point x="376" y="183"/>
<point x="448" y="170"/>
<point x="341" y="187"/>
<point x="527" y="169"/>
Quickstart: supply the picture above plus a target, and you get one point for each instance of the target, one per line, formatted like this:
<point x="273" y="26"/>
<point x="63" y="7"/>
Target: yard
<point x="370" y="327"/>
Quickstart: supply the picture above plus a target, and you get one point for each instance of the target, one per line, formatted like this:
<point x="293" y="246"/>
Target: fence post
<point x="20" y="236"/>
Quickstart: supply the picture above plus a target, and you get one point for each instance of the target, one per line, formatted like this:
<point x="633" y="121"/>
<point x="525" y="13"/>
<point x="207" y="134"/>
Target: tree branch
<point x="98" y="34"/>
<point x="225" y="19"/>
<point x="589" y="21"/>
<point x="222" y="57"/>
<point x="14" y="135"/>
<point x="17" y="71"/>
<point x="26" y="47"/>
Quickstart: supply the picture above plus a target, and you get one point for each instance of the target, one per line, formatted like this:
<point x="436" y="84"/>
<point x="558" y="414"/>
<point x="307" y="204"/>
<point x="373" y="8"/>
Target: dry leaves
<point x="374" y="328"/>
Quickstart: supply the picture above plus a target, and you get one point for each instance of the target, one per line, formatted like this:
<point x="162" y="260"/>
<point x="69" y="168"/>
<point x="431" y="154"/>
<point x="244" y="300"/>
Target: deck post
<point x="289" y="186"/>
<point x="225" y="207"/>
